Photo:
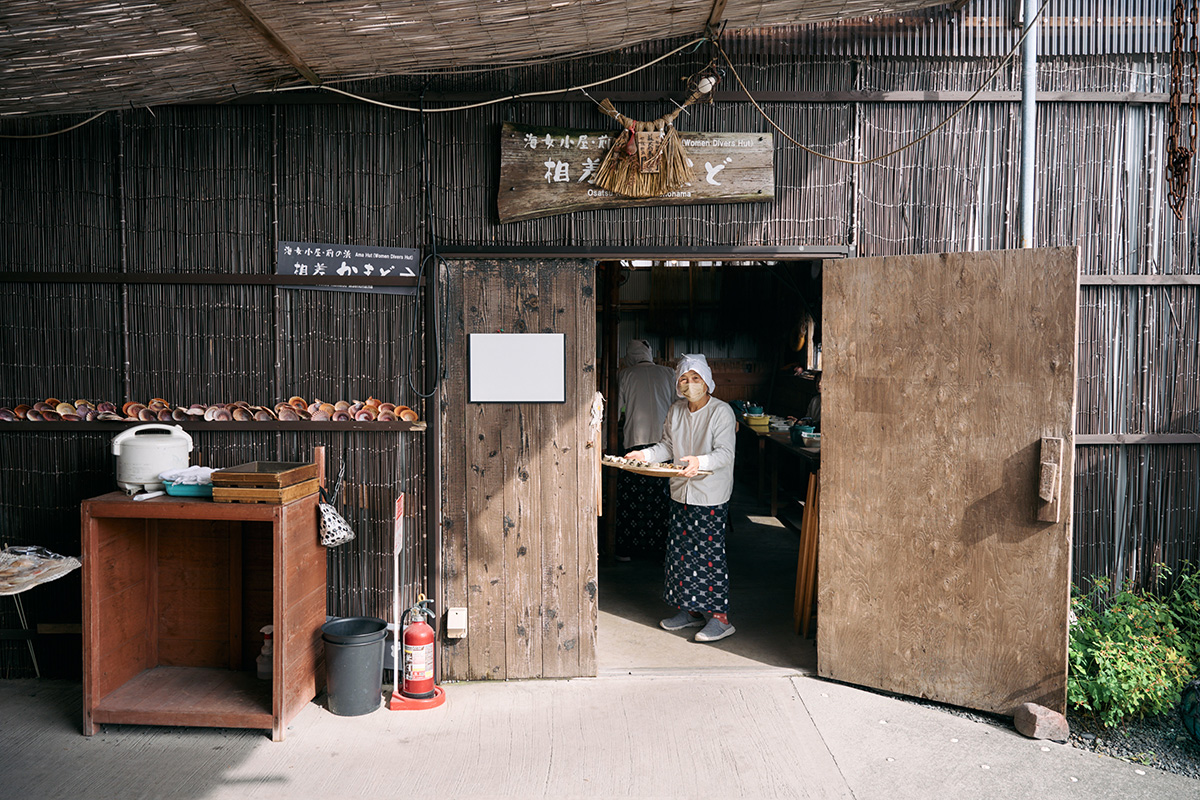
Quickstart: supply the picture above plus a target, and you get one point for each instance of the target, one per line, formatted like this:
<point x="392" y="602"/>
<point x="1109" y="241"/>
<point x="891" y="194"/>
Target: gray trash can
<point x="354" y="664"/>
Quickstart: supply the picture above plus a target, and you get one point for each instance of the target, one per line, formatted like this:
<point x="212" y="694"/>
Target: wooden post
<point x="612" y="362"/>
<point x="319" y="460"/>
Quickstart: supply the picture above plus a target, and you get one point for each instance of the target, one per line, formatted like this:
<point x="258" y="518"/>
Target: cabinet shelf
<point x="103" y="427"/>
<point x="175" y="590"/>
<point x="208" y="279"/>
<point x="190" y="696"/>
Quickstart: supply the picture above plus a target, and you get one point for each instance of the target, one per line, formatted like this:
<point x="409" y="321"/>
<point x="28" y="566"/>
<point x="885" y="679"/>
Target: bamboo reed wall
<point x="210" y="189"/>
<point x="204" y="191"/>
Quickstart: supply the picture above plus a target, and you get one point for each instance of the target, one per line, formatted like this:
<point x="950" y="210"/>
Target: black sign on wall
<point x="349" y="261"/>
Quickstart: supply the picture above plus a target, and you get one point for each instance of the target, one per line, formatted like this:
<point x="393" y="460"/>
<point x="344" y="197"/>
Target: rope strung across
<point x="861" y="162"/>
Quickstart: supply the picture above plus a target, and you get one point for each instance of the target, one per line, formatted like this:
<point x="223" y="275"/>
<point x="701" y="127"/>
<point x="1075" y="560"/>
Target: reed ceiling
<point x="76" y="56"/>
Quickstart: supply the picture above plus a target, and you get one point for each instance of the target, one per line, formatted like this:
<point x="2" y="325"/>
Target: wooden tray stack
<point x="265" y="482"/>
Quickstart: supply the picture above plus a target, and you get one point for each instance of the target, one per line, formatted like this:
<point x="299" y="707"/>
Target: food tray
<point x="274" y="495"/>
<point x="188" y="489"/>
<point x="646" y="468"/>
<point x="265" y="474"/>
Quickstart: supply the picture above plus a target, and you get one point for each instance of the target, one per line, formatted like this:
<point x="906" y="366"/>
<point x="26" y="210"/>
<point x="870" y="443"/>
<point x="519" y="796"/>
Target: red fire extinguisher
<point x="418" y="653"/>
<point x="418" y="689"/>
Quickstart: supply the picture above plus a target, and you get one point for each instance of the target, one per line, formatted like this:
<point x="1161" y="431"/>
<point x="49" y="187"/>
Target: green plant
<point x="1127" y="657"/>
<point x="1183" y="603"/>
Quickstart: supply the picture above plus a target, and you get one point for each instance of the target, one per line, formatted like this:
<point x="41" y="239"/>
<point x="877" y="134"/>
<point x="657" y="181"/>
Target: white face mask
<point x="694" y="392"/>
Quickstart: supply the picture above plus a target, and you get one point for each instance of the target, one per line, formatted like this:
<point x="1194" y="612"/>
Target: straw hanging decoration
<point x="648" y="159"/>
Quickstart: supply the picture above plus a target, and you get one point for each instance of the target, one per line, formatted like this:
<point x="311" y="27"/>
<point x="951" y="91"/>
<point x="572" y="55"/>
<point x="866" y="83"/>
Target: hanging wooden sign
<point x="547" y="171"/>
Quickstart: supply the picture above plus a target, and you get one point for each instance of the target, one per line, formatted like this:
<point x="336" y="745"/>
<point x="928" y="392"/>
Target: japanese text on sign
<point x="546" y="171"/>
<point x="339" y="260"/>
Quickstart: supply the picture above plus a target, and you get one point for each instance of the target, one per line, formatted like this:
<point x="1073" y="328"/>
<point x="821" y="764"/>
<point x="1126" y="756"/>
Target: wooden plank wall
<point x="519" y="507"/>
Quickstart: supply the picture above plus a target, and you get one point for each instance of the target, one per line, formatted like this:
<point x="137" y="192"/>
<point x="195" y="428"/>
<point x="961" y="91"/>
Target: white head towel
<point x="697" y="362"/>
<point x="637" y="352"/>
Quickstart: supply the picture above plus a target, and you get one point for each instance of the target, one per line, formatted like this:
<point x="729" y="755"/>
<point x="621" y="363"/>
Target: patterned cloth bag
<point x="333" y="528"/>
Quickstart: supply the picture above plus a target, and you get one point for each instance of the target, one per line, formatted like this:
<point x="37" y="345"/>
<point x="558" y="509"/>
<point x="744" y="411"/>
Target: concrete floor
<point x="703" y="735"/>
<point x="762" y="563"/>
<point x="667" y="718"/>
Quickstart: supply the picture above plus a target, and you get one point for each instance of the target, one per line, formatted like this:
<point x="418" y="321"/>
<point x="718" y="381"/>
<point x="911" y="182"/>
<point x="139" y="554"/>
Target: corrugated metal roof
<point x="981" y="28"/>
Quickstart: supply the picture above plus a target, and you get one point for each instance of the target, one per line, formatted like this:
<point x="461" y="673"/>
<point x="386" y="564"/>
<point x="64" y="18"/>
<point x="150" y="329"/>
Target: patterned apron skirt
<point x="696" y="571"/>
<point x="642" y="502"/>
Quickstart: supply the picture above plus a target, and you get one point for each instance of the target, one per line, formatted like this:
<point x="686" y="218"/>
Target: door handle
<point x="1048" y="482"/>
<point x="1050" y="479"/>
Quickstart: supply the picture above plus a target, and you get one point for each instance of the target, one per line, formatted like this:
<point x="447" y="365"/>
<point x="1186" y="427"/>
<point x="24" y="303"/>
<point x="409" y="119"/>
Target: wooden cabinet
<point x="175" y="590"/>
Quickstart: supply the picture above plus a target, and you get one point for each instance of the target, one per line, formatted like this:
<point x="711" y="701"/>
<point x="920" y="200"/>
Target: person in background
<point x="645" y="391"/>
<point x="813" y="415"/>
<point x="699" y="434"/>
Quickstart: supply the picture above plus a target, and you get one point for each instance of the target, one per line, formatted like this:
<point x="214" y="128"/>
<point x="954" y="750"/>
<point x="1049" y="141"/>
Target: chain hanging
<point x="1179" y="154"/>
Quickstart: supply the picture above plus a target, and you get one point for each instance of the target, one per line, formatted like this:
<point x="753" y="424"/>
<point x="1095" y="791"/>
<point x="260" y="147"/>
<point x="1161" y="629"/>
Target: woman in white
<point x="699" y="434"/>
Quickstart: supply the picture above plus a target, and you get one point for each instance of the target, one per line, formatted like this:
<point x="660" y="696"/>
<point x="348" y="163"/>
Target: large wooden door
<point x="949" y="379"/>
<point x="518" y="481"/>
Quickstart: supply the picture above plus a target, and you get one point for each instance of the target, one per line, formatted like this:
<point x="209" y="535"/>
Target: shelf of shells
<point x="295" y="413"/>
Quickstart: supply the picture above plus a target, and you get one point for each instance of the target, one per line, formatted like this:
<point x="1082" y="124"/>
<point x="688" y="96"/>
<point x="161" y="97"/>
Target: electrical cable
<point x="694" y="44"/>
<point x="422" y="110"/>
<point x="902" y="148"/>
<point x="434" y="260"/>
<point x="52" y="133"/>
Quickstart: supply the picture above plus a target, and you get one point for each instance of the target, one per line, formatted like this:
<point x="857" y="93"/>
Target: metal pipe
<point x="1028" y="119"/>
<point x="433" y="450"/>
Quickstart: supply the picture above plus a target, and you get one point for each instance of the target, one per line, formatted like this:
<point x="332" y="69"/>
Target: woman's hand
<point x="692" y="468"/>
<point x="636" y="455"/>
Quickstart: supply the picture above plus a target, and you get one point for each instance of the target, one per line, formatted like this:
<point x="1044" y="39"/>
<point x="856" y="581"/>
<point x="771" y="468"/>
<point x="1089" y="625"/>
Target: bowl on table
<point x="810" y="440"/>
<point x="798" y="430"/>
<point x="758" y="422"/>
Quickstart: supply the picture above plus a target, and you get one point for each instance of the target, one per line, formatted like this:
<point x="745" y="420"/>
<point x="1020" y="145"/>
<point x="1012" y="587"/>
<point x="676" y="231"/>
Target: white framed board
<point x="517" y="368"/>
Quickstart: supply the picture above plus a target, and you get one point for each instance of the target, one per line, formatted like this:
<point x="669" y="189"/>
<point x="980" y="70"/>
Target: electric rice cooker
<point x="145" y="451"/>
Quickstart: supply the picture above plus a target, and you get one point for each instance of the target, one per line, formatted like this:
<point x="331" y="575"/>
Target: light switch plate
<point x="456" y="623"/>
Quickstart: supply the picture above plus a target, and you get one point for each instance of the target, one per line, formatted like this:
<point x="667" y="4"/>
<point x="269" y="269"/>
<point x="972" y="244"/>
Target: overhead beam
<point x="714" y="16"/>
<point x="1092" y="439"/>
<point x="1139" y="280"/>
<point x="275" y="42"/>
<point x="609" y="253"/>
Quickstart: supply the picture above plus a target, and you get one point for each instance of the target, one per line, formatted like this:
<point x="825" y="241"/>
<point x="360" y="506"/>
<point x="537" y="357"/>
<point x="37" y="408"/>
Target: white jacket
<point x="644" y="392"/>
<point x="709" y="433"/>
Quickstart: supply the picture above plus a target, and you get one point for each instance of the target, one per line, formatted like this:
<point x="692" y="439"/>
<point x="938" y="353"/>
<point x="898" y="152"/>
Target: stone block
<point x="1039" y="722"/>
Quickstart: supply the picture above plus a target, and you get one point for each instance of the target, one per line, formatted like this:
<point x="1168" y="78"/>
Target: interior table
<point x="782" y="447"/>
<point x="175" y="591"/>
<point x="758" y="444"/>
